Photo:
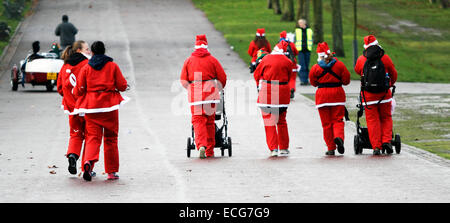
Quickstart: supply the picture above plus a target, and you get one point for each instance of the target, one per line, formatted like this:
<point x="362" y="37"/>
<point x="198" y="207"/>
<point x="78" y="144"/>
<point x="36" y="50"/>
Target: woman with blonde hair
<point x="75" y="57"/>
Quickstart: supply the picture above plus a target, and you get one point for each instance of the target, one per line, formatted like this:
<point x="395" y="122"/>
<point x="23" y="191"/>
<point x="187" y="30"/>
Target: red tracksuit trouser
<point x="203" y="117"/>
<point x="275" y="125"/>
<point x="77" y="136"/>
<point x="332" y="124"/>
<point x="379" y="124"/>
<point x="103" y="125"/>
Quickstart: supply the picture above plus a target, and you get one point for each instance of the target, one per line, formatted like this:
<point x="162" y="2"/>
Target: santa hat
<point x="281" y="47"/>
<point x="283" y="35"/>
<point x="370" y="41"/>
<point x="260" y="32"/>
<point x="201" y="42"/>
<point x="323" y="50"/>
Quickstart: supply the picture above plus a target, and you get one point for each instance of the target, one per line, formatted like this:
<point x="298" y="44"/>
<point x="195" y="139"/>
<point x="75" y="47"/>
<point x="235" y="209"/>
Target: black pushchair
<point x="361" y="139"/>
<point x="223" y="141"/>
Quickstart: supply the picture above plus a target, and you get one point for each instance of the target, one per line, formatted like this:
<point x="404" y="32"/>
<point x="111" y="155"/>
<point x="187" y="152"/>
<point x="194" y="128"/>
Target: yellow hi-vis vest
<point x="299" y="36"/>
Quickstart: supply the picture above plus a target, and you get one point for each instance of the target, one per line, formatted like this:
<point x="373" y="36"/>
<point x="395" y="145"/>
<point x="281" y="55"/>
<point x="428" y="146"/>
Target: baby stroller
<point x="361" y="139"/>
<point x="223" y="141"/>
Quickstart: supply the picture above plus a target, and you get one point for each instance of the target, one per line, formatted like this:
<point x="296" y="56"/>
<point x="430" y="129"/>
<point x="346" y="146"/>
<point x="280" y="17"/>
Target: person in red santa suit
<point x="75" y="57"/>
<point x="203" y="77"/>
<point x="258" y="43"/>
<point x="272" y="76"/>
<point x="377" y="102"/>
<point x="329" y="74"/>
<point x="291" y="53"/>
<point x="98" y="87"/>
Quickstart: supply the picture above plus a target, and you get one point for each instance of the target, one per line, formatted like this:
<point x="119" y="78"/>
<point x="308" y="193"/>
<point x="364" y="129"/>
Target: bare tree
<point x="336" y="28"/>
<point x="318" y="21"/>
<point x="276" y="6"/>
<point x="287" y="10"/>
<point x="303" y="10"/>
<point x="355" y="26"/>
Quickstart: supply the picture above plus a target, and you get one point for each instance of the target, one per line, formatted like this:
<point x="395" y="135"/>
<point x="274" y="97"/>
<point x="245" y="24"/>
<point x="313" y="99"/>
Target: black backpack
<point x="289" y="53"/>
<point x="374" y="79"/>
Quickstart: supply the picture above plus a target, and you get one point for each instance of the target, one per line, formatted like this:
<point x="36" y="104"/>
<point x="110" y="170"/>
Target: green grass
<point x="13" y="23"/>
<point x="416" y="125"/>
<point x="418" y="56"/>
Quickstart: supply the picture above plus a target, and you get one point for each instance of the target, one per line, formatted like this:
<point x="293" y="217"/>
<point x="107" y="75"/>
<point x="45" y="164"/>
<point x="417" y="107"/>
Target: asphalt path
<point x="150" y="40"/>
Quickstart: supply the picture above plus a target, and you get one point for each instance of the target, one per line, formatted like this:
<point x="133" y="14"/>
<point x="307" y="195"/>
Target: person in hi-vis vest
<point x="303" y="43"/>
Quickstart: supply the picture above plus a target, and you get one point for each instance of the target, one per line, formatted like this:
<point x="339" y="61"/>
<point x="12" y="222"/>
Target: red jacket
<point x="373" y="98"/>
<point x="203" y="77"/>
<point x="65" y="84"/>
<point x="99" y="89"/>
<point x="277" y="69"/>
<point x="253" y="50"/>
<point x="329" y="96"/>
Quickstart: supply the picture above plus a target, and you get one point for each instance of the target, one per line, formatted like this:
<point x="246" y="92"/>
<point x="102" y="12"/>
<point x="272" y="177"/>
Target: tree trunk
<point x="303" y="10"/>
<point x="355" y="25"/>
<point x="269" y="4"/>
<point x="336" y="29"/>
<point x="445" y="4"/>
<point x="276" y="6"/>
<point x="318" y="21"/>
<point x="288" y="10"/>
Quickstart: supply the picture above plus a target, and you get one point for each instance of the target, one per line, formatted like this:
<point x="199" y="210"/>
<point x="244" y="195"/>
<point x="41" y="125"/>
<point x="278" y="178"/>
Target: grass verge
<point x="414" y="33"/>
<point x="13" y="23"/>
<point x="425" y="125"/>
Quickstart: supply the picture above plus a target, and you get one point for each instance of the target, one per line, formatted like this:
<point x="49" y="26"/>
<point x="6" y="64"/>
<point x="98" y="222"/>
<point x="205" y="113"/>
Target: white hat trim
<point x="371" y="44"/>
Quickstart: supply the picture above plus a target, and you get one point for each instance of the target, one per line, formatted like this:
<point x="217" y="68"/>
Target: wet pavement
<point x="150" y="40"/>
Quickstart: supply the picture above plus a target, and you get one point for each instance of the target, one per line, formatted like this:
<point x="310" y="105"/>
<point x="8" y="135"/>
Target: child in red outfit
<point x="75" y="57"/>
<point x="378" y="109"/>
<point x="293" y="57"/>
<point x="203" y="77"/>
<point x="258" y="43"/>
<point x="272" y="77"/>
<point x="98" y="86"/>
<point x="329" y="74"/>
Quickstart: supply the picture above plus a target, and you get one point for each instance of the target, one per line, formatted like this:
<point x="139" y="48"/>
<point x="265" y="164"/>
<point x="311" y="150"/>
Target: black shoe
<point x="376" y="152"/>
<point x="87" y="175"/>
<point x="340" y="145"/>
<point x="388" y="148"/>
<point x="292" y="93"/>
<point x="329" y="153"/>
<point x="72" y="163"/>
<point x="304" y="83"/>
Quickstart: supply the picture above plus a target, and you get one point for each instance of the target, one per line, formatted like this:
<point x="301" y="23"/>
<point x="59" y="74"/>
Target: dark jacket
<point x="66" y="32"/>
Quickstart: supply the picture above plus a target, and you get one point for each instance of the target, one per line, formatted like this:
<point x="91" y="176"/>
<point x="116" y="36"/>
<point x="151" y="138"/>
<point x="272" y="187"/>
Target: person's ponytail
<point x="67" y="53"/>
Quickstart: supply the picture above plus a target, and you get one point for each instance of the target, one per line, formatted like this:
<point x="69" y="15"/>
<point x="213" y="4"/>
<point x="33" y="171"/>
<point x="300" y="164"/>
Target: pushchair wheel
<point x="190" y="146"/>
<point x="397" y="143"/>
<point x="357" y="145"/>
<point x="229" y="146"/>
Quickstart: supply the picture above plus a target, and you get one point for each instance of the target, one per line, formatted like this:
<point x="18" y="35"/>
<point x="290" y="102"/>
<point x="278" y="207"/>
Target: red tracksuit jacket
<point x="99" y="89"/>
<point x="330" y="96"/>
<point x="277" y="69"/>
<point x="199" y="74"/>
<point x="373" y="98"/>
<point x="65" y="86"/>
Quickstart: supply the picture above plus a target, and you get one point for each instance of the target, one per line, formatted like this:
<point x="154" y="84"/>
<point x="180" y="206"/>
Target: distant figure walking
<point x="66" y="32"/>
